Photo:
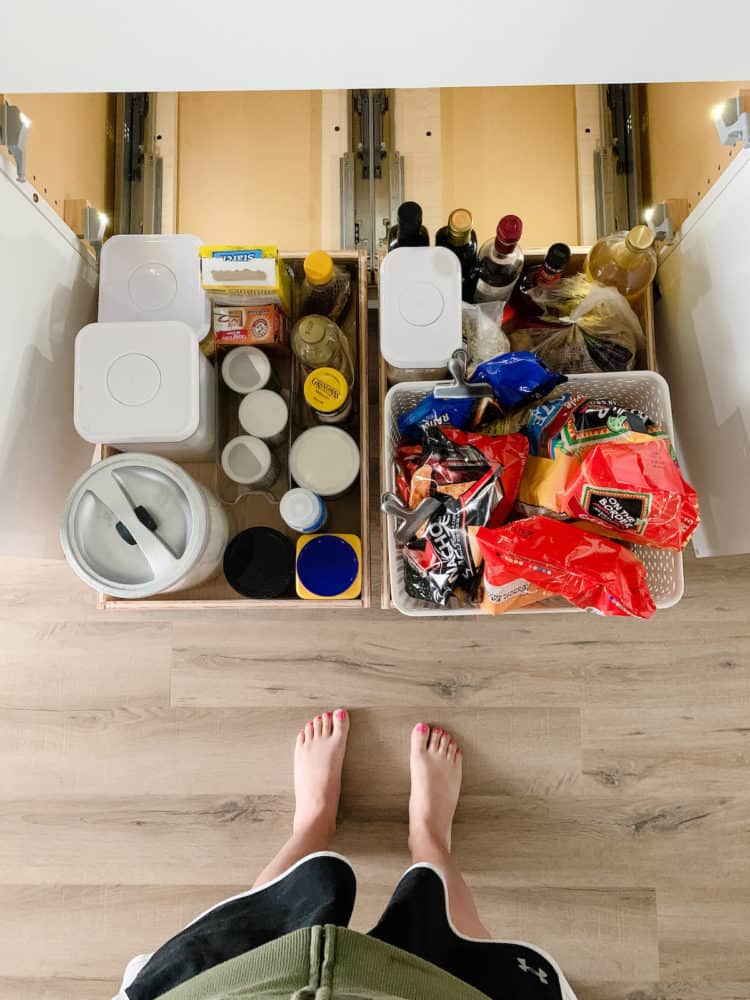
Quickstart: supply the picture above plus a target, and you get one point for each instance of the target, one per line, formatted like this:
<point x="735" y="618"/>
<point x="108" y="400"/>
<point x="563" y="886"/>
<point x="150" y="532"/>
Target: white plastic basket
<point x="642" y="390"/>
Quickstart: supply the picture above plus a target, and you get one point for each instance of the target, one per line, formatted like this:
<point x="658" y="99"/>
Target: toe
<point x="300" y="737"/>
<point x="309" y="732"/>
<point x="340" y="722"/>
<point x="327" y="723"/>
<point x="318" y="726"/>
<point x="420" y="734"/>
<point x="445" y="741"/>
<point x="451" y="750"/>
<point x="435" y="734"/>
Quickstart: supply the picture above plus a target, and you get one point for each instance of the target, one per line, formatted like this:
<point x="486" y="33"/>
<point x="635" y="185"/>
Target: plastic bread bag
<point x="481" y="326"/>
<point x="634" y="492"/>
<point x="591" y="572"/>
<point x="447" y="461"/>
<point x="602" y="334"/>
<point x="571" y="422"/>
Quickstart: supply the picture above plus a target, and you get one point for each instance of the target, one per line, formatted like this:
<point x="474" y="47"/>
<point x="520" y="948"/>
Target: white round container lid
<point x="263" y="413"/>
<point x="420" y="306"/>
<point x="299" y="506"/>
<point x="246" y="459"/>
<point x="246" y="369"/>
<point x="133" y="525"/>
<point x="136" y="383"/>
<point x="324" y="460"/>
<point x="153" y="278"/>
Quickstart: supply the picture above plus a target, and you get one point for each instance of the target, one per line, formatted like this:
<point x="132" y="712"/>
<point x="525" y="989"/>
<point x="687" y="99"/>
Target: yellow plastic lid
<point x="639" y="238"/>
<point x="318" y="267"/>
<point x="326" y="390"/>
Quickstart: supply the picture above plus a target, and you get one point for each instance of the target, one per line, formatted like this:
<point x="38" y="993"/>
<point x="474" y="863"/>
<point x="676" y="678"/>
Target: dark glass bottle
<point x="408" y="231"/>
<point x="460" y="238"/>
<point x="549" y="272"/>
<point x="500" y="262"/>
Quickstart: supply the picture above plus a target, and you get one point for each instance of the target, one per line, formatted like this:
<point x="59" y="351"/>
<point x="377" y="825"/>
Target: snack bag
<point x="635" y="492"/>
<point x="589" y="571"/>
<point x="432" y="412"/>
<point x="544" y="479"/>
<point x="516" y="378"/>
<point x="444" y="560"/>
<point x="503" y="591"/>
<point x="546" y="421"/>
<point x="596" y="420"/>
<point x="447" y="459"/>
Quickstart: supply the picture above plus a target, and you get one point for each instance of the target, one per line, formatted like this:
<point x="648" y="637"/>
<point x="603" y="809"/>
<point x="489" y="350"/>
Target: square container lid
<point x="153" y="278"/>
<point x="420" y="306"/>
<point x="136" y="383"/>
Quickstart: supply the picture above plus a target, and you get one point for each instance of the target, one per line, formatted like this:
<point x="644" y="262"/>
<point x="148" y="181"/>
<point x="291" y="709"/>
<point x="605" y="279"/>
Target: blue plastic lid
<point x="327" y="565"/>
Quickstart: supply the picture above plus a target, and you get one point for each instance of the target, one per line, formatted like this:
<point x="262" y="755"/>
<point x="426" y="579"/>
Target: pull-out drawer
<point x="644" y="309"/>
<point x="347" y="514"/>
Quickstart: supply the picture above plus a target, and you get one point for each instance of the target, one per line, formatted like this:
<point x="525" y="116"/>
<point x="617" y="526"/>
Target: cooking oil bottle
<point x="625" y="260"/>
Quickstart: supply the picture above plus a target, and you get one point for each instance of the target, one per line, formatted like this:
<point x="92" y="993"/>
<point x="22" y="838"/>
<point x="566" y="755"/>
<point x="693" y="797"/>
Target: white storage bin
<point x="145" y="387"/>
<point x="153" y="278"/>
<point x="645" y="391"/>
<point x="420" y="311"/>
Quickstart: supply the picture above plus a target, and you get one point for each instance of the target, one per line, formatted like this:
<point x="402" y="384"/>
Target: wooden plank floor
<point x="606" y="814"/>
<point x="606" y="806"/>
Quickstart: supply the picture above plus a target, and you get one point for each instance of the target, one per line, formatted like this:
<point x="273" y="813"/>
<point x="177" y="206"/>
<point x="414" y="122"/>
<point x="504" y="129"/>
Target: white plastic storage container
<point x="135" y="525"/>
<point x="153" y="278"/>
<point x="645" y="391"/>
<point x="145" y="387"/>
<point x="420" y="311"/>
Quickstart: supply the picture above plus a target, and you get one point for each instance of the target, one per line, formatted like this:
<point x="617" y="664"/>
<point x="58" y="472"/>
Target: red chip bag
<point x="509" y="451"/>
<point x="634" y="492"/>
<point x="589" y="571"/>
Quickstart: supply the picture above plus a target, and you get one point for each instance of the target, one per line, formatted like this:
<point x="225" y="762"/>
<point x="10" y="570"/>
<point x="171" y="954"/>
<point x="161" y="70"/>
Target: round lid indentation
<point x="152" y="286"/>
<point x="327" y="565"/>
<point x="325" y="460"/>
<point x="246" y="369"/>
<point x="421" y="303"/>
<point x="259" y="563"/>
<point x="133" y="379"/>
<point x="246" y="459"/>
<point x="263" y="413"/>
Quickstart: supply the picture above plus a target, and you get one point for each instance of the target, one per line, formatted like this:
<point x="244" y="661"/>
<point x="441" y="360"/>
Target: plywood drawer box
<point x="347" y="514"/>
<point x="644" y="309"/>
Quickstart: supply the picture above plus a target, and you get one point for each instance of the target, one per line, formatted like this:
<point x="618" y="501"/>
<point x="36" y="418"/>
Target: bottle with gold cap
<point x="625" y="260"/>
<point x="459" y="237"/>
<point x="326" y="289"/>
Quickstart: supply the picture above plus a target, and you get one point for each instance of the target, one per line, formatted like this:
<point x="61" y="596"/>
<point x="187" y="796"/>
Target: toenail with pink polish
<point x="422" y="728"/>
<point x="340" y="714"/>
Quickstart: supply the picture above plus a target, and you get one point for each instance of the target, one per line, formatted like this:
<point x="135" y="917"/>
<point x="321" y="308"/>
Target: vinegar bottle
<point x="626" y="260"/>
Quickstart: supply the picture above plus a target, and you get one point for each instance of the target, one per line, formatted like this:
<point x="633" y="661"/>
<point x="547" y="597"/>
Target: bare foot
<point x="318" y="759"/>
<point x="435" y="784"/>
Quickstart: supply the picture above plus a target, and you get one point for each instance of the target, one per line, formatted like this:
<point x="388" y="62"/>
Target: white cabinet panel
<point x="703" y="346"/>
<point x="48" y="291"/>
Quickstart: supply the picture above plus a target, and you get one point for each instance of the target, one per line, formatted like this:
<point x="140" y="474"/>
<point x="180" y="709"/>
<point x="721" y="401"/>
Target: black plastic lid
<point x="259" y="562"/>
<point x="409" y="216"/>
<point x="557" y="257"/>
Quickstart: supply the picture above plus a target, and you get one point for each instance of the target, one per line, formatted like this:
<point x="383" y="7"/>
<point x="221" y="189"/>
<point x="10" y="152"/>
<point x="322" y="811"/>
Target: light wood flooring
<point x="606" y="810"/>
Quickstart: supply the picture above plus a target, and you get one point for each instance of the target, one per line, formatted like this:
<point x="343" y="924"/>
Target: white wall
<point x="48" y="291"/>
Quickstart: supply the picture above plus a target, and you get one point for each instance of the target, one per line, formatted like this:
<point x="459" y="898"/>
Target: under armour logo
<point x="540" y="973"/>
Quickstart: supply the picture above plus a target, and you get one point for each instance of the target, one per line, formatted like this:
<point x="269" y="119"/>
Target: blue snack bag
<point x="517" y="378"/>
<point x="433" y="412"/>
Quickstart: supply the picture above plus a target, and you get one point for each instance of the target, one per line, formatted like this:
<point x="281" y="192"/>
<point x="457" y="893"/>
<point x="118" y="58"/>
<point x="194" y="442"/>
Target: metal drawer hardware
<point x="732" y="120"/>
<point x="14" y="130"/>
<point x="411" y="520"/>
<point x="459" y="388"/>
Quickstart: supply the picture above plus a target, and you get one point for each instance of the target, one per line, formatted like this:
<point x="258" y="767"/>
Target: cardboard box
<point x="259" y="325"/>
<point x="245" y="275"/>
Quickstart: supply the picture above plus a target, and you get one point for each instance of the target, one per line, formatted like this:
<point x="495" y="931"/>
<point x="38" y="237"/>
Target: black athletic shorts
<point x="320" y="889"/>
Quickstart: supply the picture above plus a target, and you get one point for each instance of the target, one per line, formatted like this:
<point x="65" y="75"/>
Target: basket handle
<point x="459" y="388"/>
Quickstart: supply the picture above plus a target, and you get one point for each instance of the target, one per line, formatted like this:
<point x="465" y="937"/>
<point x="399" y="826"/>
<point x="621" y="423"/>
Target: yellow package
<point x="244" y="275"/>
<point x="545" y="478"/>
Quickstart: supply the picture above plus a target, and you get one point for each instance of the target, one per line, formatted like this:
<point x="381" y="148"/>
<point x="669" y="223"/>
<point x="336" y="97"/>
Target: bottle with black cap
<point x="500" y="262"/>
<point x="408" y="231"/>
<point x="549" y="272"/>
